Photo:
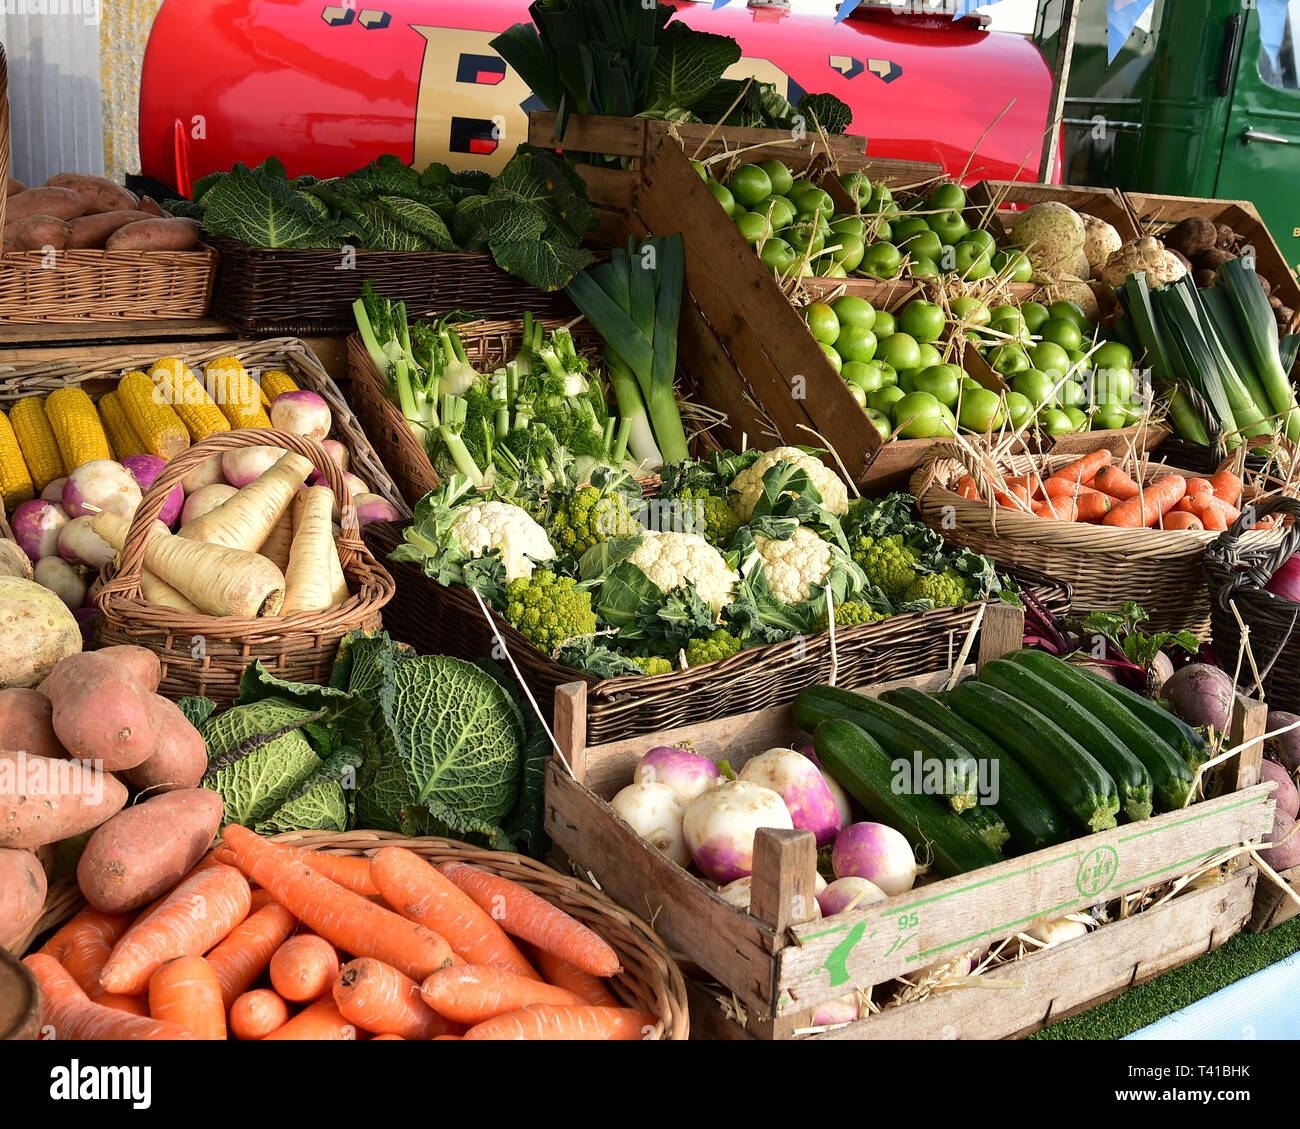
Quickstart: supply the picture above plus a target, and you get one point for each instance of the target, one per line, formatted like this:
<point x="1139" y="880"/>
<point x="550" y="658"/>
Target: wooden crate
<point x="780" y="967"/>
<point x="1273" y="906"/>
<point x="995" y="203"/>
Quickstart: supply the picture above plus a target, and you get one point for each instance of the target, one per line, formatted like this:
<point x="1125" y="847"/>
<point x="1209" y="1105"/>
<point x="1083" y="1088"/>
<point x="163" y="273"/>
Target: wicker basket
<point x="488" y="345"/>
<point x="440" y="619"/>
<point x="280" y="290"/>
<point x="286" y="353"/>
<point x="1237" y="573"/>
<point x="207" y="654"/>
<point x="97" y="285"/>
<point x="1159" y="569"/>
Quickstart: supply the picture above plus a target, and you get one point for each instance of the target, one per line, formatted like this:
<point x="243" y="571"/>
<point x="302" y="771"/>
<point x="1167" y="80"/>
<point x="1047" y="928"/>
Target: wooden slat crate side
<point x="1103" y="203"/>
<point x="1273" y="906"/>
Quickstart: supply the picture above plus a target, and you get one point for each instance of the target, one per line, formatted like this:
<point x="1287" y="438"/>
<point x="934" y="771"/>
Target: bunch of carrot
<point x="1094" y="489"/>
<point x="267" y="941"/>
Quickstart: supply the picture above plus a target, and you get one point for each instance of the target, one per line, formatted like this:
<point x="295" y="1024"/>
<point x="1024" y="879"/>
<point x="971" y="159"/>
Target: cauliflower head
<point x="671" y="560"/>
<point x="549" y="609"/>
<point x="484" y="526"/>
<point x="747" y="486"/>
<point x="794" y="567"/>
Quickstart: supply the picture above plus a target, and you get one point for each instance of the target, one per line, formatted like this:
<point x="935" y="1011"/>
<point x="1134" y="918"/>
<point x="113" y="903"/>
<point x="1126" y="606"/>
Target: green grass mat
<point x="1139" y="1007"/>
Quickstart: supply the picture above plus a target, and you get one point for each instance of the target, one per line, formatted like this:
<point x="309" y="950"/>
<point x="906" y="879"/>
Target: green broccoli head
<point x="714" y="647"/>
<point x="948" y="589"/>
<point x="709" y="515"/>
<point x="654" y="664"/>
<point x="888" y="562"/>
<point x="849" y="615"/>
<point x="548" y="609"/>
<point x="590" y="516"/>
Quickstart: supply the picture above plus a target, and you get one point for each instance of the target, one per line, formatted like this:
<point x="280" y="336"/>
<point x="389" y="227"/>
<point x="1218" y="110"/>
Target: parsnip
<point x="314" y="580"/>
<point x="245" y="520"/>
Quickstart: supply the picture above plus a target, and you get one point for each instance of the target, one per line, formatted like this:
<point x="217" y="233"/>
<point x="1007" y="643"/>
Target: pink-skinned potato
<point x="27" y="723"/>
<point x="144" y="850"/>
<point x="107" y="717"/>
<point x="43" y="800"/>
<point x="22" y="893"/>
<point x="180" y="759"/>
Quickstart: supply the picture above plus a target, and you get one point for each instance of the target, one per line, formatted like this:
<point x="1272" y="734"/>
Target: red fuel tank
<point x="328" y="87"/>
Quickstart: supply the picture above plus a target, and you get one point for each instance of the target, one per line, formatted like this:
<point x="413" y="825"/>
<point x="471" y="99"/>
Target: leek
<point x="1219" y="309"/>
<point x="1259" y="327"/>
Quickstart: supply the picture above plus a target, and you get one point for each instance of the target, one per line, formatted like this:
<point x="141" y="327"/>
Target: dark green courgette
<point x="987" y="824"/>
<point x="1171" y="729"/>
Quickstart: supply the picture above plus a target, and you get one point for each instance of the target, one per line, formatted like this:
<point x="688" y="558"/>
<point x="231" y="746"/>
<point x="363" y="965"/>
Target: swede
<point x="302" y="413"/>
<point x="36" y="525"/>
<point x="877" y="853"/>
<point x="803" y="788"/>
<point x="686" y="773"/>
<point x="655" y="812"/>
<point x="720" y="824"/>
<point x="62" y="579"/>
<point x="101" y="484"/>
<point x="80" y="544"/>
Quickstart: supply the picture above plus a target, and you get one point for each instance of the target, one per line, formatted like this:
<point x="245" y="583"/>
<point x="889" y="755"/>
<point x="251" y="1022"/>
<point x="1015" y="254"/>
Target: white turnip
<point x="1058" y="931"/>
<point x="241" y="467"/>
<point x="1201" y="694"/>
<point x="101" y="484"/>
<point x="843" y="803"/>
<point x="720" y="824"/>
<point x="36" y="525"/>
<point x="737" y="893"/>
<point x="877" y="853"/>
<point x="849" y="893"/>
<point x="655" y="812"/>
<point x="686" y="773"/>
<point x="301" y="413"/>
<point x="62" y="579"/>
<point x="338" y="452"/>
<point x="204" y="500"/>
<point x="205" y="474"/>
<point x="803" y="788"/>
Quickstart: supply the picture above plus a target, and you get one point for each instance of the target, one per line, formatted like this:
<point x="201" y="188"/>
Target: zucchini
<point x="1063" y="767"/>
<point x="1032" y="819"/>
<point x="987" y="824"/>
<point x="1173" y="730"/>
<point x="1171" y="777"/>
<point x="1132" y="780"/>
<point x="866" y="771"/>
<point x="945" y="768"/>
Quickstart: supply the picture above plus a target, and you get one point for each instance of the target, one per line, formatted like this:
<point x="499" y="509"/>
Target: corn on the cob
<point x="76" y="427"/>
<point x="237" y="394"/>
<point x="15" y="480"/>
<point x="273" y="383"/>
<point x="118" y="427"/>
<point x="152" y="418"/>
<point x="188" y="398"/>
<point x="36" y="441"/>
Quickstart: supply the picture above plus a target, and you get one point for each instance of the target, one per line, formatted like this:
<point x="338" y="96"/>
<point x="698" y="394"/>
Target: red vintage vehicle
<point x="327" y="87"/>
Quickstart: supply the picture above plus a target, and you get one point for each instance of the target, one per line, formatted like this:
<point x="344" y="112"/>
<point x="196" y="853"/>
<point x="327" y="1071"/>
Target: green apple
<point x="943" y="382"/>
<point x="1113" y="354"/>
<point x="970" y="310"/>
<point x="1109" y="417"/>
<point x="857" y="394"/>
<point x="1014" y="266"/>
<point x="904" y="229"/>
<point x="813" y="200"/>
<point x="981" y="410"/>
<point x="805" y="236"/>
<point x="883" y="399"/>
<point x="881" y="260"/>
<point x="918" y="415"/>
<point x="852" y="310"/>
<point x="859" y="187"/>
<point x="822" y="321"/>
<point x="1073" y="311"/>
<point x="881" y="421"/>
<point x="856" y="343"/>
<point x="900" y="350"/>
<point x="1064" y="332"/>
<point x="1077" y="418"/>
<point x="929" y="355"/>
<point x="982" y="239"/>
<point x="778" y="255"/>
<point x="837" y="362"/>
<point x="921" y="245"/>
<point x="1112" y="386"/>
<point x="701" y="168"/>
<point x="972" y="261"/>
<point x="865" y="374"/>
<point x="921" y="267"/>
<point x="779" y="208"/>
<point x="1036" y="386"/>
<point x="753" y="228"/>
<point x="1020" y="409"/>
<point x="1050" y="358"/>
<point x="1055" y="422"/>
<point x="947" y="197"/>
<point x="1010" y="359"/>
<point x="781" y="178"/>
<point x="849" y="251"/>
<point x="849" y="225"/>
<point x="950" y="226"/>
<point x="923" y="320"/>
<point x="723" y="195"/>
<point x="886" y="323"/>
<point x="1036" y="315"/>
<point x="749" y="184"/>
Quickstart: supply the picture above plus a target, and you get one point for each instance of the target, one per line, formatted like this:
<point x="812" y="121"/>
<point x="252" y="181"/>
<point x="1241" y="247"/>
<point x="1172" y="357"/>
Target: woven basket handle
<point x="127" y="579"/>
<point x="4" y="134"/>
<point x="1260" y="562"/>
<point x="928" y="475"/>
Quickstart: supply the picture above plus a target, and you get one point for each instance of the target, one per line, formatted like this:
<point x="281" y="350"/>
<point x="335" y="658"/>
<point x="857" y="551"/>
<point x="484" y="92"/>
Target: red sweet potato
<point x="43" y="800"/>
<point x="22" y="893"/>
<point x="26" y="723"/>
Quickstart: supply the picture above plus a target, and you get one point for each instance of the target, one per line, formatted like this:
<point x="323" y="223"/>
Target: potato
<point x="43" y="800"/>
<point x="36" y="631"/>
<point x="61" y="203"/>
<point x="22" y="894"/>
<point x="145" y="850"/>
<point x="94" y="229"/>
<point x="106" y="716"/>
<point x="14" y="186"/>
<point x="35" y="233"/>
<point x="176" y="233"/>
<point x="150" y="205"/>
<point x="140" y="662"/>
<point x="27" y="724"/>
<point x="180" y="759"/>
<point x="103" y="194"/>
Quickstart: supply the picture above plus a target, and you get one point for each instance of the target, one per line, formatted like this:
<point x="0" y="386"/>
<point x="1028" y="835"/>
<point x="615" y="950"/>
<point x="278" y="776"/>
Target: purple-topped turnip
<point x="1285" y="583"/>
<point x="248" y="464"/>
<point x="720" y="824"/>
<point x="302" y="413"/>
<point x="371" y="507"/>
<point x="737" y="893"/>
<point x="1286" y="853"/>
<point x="1283" y="747"/>
<point x="36" y="525"/>
<point x="80" y="544"/>
<point x="101" y="484"/>
<point x="803" y="788"/>
<point x="849" y="893"/>
<point x="844" y="1009"/>
<point x="53" y="491"/>
<point x="655" y="812"/>
<point x="145" y="469"/>
<point x="877" y="853"/>
<point x="842" y="801"/>
<point x="686" y="773"/>
<point x="1285" y="794"/>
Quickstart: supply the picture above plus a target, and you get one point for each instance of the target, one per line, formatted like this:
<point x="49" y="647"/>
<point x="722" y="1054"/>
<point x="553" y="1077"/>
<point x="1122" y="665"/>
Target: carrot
<point x="545" y="1021"/>
<point x="348" y="921"/>
<point x="590" y="989"/>
<point x="1180" y="519"/>
<point x="1093" y="506"/>
<point x="417" y="891"/>
<point x="70" y="1014"/>
<point x="185" y="991"/>
<point x="1086" y="467"/>
<point x="314" y="579"/>
<point x="376" y="997"/>
<point x="1227" y="486"/>
<point x="1116" y="482"/>
<point x="132" y="1005"/>
<point x="303" y="968"/>
<point x="967" y="489"/>
<point x="320" y="1021"/>
<point x="243" y="956"/>
<point x="347" y="870"/>
<point x="83" y="945"/>
<point x="245" y="519"/>
<point x="254" y="1015"/>
<point x="260" y="899"/>
<point x="1031" y="485"/>
<point x="201" y="911"/>
<point x="523" y="914"/>
<point x="1199" y="486"/>
<point x="1203" y="503"/>
<point x="384" y="1038"/>
<point x="478" y="992"/>
<point x="1148" y="507"/>
<point x="1056" y="509"/>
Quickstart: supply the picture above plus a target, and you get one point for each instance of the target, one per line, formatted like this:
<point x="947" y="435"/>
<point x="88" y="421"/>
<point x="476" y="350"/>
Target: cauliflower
<point x="483" y="526"/>
<point x="714" y="647"/>
<point x="710" y="515"/>
<point x="549" y="609"/>
<point x="888" y="563"/>
<point x="1147" y="255"/>
<point x="590" y="517"/>
<point x="672" y="560"/>
<point x="948" y="589"/>
<point x="795" y="566"/>
<point x="747" y="486"/>
<point x="849" y="615"/>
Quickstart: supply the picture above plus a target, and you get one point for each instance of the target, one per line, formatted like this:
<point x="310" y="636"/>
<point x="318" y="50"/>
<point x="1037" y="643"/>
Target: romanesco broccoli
<point x="590" y="516"/>
<point x="714" y="647"/>
<point x="888" y="563"/>
<point x="850" y="614"/>
<point x="548" y="609"/>
<point x="654" y="664"/>
<point x="948" y="589"/>
<point x="709" y="515"/>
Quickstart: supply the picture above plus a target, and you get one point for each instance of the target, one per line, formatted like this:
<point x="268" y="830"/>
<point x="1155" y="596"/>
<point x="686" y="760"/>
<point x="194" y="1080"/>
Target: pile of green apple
<point x="794" y="226"/>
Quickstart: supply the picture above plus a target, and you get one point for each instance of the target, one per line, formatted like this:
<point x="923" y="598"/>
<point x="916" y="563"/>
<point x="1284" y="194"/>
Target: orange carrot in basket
<point x="523" y="914"/>
<point x="347" y="871"/>
<point x="71" y="1014"/>
<point x="1057" y="509"/>
<point x="545" y="1021"/>
<point x="1181" y="519"/>
<point x="349" y="921"/>
<point x="322" y="1021"/>
<point x="1032" y="484"/>
<point x="1093" y="506"/>
<point x="198" y="914"/>
<point x="475" y="993"/>
<point x="1017" y="498"/>
<point x="185" y="991"/>
<point x="254" y="1015"/>
<point x="417" y="891"/>
<point x="1086" y="467"/>
<point x="83" y="946"/>
<point x="1202" y="504"/>
<point x="243" y="956"/>
<point x="1227" y="486"/>
<point x="303" y="968"/>
<point x="1199" y="486"/>
<point x="1148" y="507"/>
<point x="1116" y="482"/>
<point x="590" y="989"/>
<point x="376" y="997"/>
<point x="967" y="489"/>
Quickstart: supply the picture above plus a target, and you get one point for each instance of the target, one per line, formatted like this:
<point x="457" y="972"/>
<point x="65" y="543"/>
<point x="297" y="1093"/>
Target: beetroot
<point x="1285" y="747"/>
<point x="1286" y="795"/>
<point x="1202" y="695"/>
<point x="1285" y="583"/>
<point x="1288" y="854"/>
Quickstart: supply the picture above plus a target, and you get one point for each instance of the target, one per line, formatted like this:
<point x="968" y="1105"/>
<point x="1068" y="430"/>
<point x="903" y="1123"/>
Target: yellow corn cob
<point x="120" y="432"/>
<point x="36" y="441"/>
<point x="76" y="427"/>
<point x="188" y="398"/>
<point x="236" y="393"/>
<point x="15" y="480"/>
<point x="153" y="420"/>
<point x="275" y="382"/>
